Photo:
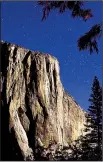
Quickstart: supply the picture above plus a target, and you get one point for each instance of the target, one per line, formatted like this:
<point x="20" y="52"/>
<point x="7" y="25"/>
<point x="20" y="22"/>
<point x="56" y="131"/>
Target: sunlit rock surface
<point x="35" y="108"/>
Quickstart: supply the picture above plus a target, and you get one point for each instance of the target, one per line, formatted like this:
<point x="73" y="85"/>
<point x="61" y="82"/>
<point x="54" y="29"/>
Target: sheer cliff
<point x="35" y="108"/>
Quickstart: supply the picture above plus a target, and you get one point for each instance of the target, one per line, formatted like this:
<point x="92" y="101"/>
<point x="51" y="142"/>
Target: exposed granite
<point x="39" y="108"/>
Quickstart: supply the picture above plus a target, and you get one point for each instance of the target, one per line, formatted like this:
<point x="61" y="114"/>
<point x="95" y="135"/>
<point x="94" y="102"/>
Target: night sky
<point x="57" y="35"/>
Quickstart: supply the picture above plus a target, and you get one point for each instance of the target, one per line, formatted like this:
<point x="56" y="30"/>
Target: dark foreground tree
<point x="89" y="146"/>
<point x="94" y="119"/>
<point x="89" y="40"/>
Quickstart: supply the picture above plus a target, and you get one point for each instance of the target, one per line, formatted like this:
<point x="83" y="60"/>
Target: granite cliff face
<point x="35" y="109"/>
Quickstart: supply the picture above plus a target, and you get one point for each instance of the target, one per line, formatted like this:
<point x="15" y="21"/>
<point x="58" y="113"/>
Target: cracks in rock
<point x="25" y="64"/>
<point x="47" y="65"/>
<point x="50" y="80"/>
<point x="45" y="113"/>
<point x="68" y="106"/>
<point x="54" y="76"/>
<point x="32" y="127"/>
<point x="14" y="54"/>
<point x="26" y="57"/>
<point x="48" y="72"/>
<point x="49" y="77"/>
<point x="13" y="88"/>
<point x="55" y="85"/>
<point x="50" y="85"/>
<point x="53" y="92"/>
<point x="33" y="76"/>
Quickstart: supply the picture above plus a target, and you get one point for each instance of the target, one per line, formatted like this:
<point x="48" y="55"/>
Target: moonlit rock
<point x="38" y="105"/>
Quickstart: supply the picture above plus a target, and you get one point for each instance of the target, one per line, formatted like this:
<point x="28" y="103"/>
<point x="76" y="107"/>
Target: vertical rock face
<point x="34" y="105"/>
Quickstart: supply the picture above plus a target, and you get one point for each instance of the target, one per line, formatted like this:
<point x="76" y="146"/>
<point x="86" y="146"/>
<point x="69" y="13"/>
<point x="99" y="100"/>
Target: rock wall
<point x="34" y="105"/>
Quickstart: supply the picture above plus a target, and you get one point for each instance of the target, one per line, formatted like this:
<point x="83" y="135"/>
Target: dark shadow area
<point x="15" y="152"/>
<point x="9" y="146"/>
<point x="33" y="76"/>
<point x="54" y="76"/>
<point x="5" y="151"/>
<point x="47" y="65"/>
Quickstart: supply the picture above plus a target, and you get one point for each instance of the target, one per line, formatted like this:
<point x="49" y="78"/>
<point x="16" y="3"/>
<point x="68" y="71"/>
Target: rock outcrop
<point x="35" y="108"/>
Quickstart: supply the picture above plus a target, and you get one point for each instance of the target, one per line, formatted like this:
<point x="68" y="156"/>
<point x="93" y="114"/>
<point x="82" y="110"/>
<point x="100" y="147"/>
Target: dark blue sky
<point x="57" y="35"/>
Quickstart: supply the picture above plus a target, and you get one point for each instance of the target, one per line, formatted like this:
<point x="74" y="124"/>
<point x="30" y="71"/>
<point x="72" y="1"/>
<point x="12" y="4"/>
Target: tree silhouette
<point x="89" y="40"/>
<point x="90" y="145"/>
<point x="95" y="119"/>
